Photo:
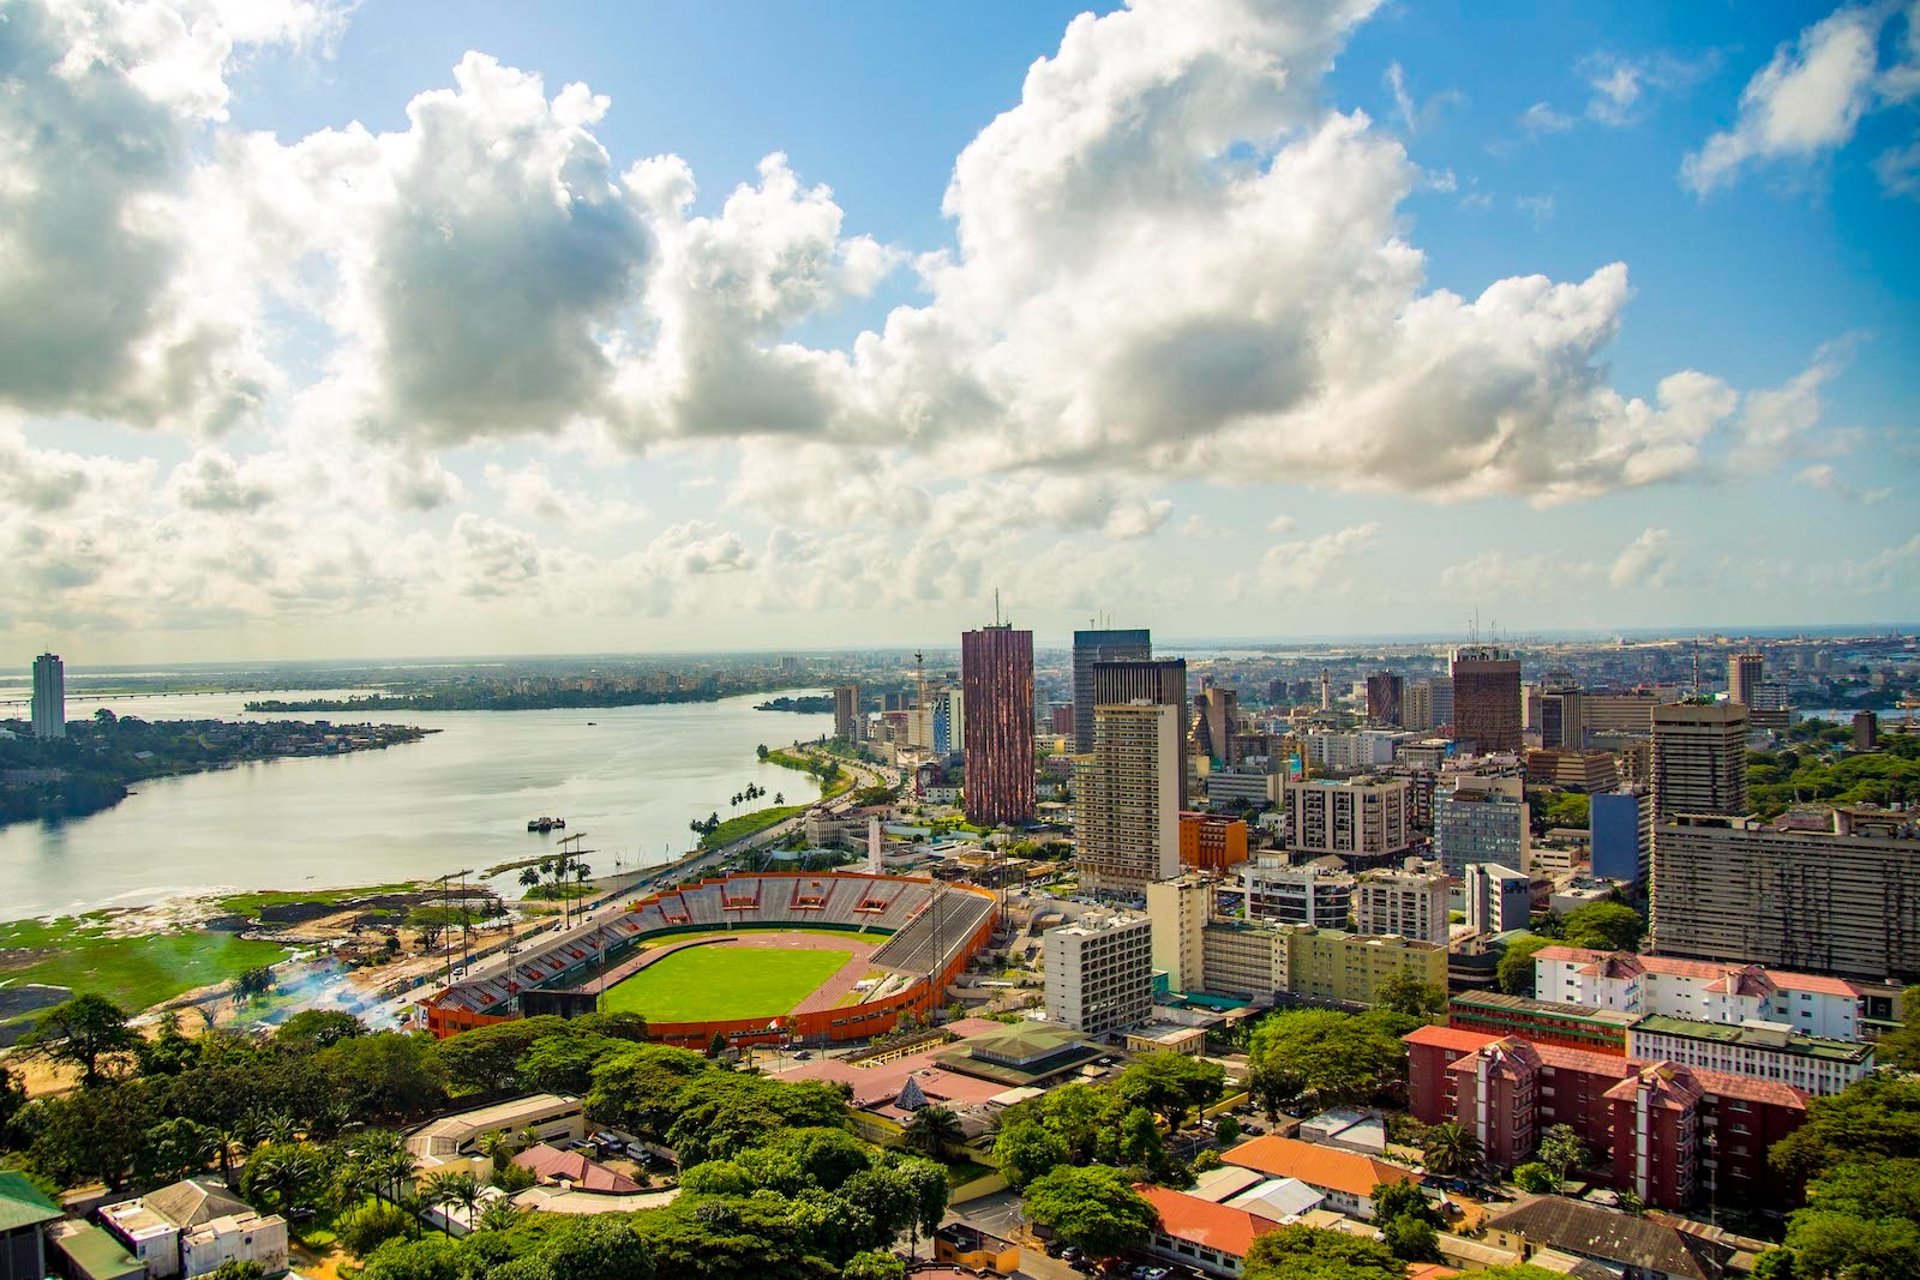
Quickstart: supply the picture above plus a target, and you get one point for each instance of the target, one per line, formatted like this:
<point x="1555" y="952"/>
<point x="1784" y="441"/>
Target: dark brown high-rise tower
<point x="1486" y="698"/>
<point x="996" y="680"/>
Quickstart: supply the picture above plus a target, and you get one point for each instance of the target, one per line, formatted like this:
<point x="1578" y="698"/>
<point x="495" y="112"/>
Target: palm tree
<point x="1451" y="1149"/>
<point x="500" y="1214"/>
<point x="283" y="1170"/>
<point x="933" y="1132"/>
<point x="497" y="1147"/>
<point x="277" y="1127"/>
<point x="456" y="1187"/>
<point x="530" y="876"/>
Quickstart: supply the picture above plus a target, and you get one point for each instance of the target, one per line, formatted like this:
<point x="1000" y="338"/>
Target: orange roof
<point x="1813" y="982"/>
<point x="1449" y="1038"/>
<point x="1429" y="1271"/>
<point x="1319" y="1167"/>
<point x="1202" y="1222"/>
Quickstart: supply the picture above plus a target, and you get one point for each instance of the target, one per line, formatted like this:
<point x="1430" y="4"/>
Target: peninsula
<point x="91" y="768"/>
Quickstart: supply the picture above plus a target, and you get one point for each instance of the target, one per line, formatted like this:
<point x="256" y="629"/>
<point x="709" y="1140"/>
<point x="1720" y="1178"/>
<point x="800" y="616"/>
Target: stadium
<point x="758" y="959"/>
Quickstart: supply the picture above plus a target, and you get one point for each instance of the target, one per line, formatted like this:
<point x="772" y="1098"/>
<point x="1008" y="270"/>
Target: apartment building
<point x="1839" y="899"/>
<point x="1127" y="800"/>
<point x="1411" y="904"/>
<point x="1278" y="893"/>
<point x="1754" y="1049"/>
<point x="1099" y="973"/>
<point x="1361" y="820"/>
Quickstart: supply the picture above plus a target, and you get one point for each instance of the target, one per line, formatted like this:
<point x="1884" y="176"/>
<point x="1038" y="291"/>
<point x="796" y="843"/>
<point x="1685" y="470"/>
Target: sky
<point x="420" y="328"/>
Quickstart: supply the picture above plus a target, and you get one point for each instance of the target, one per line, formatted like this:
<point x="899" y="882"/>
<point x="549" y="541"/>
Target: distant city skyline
<point x="818" y="326"/>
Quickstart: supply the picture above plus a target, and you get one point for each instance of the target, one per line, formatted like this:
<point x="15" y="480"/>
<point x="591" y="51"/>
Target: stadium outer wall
<point x="853" y="1022"/>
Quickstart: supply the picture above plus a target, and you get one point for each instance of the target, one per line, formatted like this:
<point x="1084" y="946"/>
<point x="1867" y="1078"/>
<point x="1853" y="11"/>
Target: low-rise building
<point x="968" y="1246"/>
<point x="24" y="1214"/>
<point x="1755" y="1049"/>
<point x="1700" y="990"/>
<point x="1541" y="1021"/>
<point x="1345" y="1178"/>
<point x="1623" y="1244"/>
<point x="190" y="1228"/>
<point x="1214" y="1238"/>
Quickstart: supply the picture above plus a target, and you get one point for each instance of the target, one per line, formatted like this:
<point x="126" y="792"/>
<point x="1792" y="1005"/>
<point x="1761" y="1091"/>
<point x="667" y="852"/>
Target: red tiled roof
<point x="1747" y="1089"/>
<point x="1202" y="1222"/>
<point x="1815" y="983"/>
<point x="1667" y="1086"/>
<point x="1605" y="1064"/>
<point x="1437" y="1037"/>
<point x="1319" y="1167"/>
<point x="552" y="1164"/>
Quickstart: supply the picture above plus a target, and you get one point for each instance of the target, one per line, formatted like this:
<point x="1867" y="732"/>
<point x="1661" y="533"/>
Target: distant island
<point x="91" y="768"/>
<point x="810" y="704"/>
<point x="522" y="693"/>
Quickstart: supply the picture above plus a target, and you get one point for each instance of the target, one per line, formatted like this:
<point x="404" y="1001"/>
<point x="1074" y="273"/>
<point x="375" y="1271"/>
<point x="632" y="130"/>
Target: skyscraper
<point x="1161" y="680"/>
<point x="1385" y="694"/>
<point x="996" y="684"/>
<point x="1699" y="759"/>
<point x="1216" y="722"/>
<point x="1127" y="799"/>
<point x="1562" y="718"/>
<point x="49" y="697"/>
<point x="1090" y="647"/>
<point x="1744" y="673"/>
<point x="1486" y="698"/>
<point x="849" y="718"/>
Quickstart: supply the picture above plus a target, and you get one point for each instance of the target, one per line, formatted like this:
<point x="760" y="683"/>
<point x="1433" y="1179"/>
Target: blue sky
<point x="1187" y="325"/>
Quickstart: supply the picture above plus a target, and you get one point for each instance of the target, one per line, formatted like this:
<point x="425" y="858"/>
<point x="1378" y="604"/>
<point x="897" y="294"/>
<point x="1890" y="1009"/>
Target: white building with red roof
<point x="1698" y="990"/>
<point x="1193" y="1232"/>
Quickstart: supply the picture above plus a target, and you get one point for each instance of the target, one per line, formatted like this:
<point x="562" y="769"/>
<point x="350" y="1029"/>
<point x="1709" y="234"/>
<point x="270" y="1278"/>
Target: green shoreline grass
<point x="136" y="973"/>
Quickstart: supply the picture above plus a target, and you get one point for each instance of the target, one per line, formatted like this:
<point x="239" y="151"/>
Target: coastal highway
<point x="402" y="1010"/>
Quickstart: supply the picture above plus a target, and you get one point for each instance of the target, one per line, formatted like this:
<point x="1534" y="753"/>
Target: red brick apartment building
<point x="1674" y="1136"/>
<point x="1209" y="842"/>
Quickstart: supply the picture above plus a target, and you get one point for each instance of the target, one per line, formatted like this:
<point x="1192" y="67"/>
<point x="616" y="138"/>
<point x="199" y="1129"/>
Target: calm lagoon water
<point x="630" y="777"/>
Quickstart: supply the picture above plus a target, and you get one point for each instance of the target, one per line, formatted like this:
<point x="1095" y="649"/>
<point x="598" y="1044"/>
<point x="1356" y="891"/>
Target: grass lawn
<point x="721" y="982"/>
<point x="135" y="973"/>
<point x="748" y="823"/>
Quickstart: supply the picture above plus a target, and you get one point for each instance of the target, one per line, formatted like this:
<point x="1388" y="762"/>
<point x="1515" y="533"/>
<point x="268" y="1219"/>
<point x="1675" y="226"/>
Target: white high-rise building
<point x="49" y="697"/>
<point x="1499" y="899"/>
<point x="1410" y="904"/>
<point x="1100" y="973"/>
<point x="1127" y="799"/>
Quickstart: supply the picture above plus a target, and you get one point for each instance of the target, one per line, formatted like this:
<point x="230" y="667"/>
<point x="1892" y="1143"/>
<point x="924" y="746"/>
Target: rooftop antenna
<point x="996" y="606"/>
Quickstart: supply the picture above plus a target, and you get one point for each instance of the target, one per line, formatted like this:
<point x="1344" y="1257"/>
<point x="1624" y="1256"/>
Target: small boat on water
<point x="546" y="824"/>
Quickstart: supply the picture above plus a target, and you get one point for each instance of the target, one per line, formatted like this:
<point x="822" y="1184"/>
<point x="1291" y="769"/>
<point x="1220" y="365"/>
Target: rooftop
<point x="1774" y="1037"/>
<point x="1204" y="1223"/>
<point x="1614" y="1237"/>
<point x="1500" y="1000"/>
<point x="95" y="1255"/>
<point x="1316" y="1166"/>
<point x="22" y="1204"/>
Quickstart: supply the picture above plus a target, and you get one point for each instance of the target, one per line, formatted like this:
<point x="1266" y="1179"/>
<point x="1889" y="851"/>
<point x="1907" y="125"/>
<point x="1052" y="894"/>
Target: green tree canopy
<point x="1404" y="992"/>
<point x="1310" y="1253"/>
<point x="1027" y="1150"/>
<point x="1093" y="1208"/>
<point x="1170" y="1085"/>
<point x="82" y="1031"/>
<point x="1515" y="970"/>
<point x="1605" y="926"/>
